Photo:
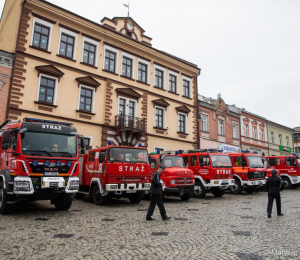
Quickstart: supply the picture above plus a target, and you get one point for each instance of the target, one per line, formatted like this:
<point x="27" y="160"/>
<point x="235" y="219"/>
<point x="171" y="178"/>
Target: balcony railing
<point x="130" y="122"/>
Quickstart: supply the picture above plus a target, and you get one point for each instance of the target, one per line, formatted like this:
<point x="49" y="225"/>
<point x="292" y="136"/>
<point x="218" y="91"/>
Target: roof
<point x="126" y="17"/>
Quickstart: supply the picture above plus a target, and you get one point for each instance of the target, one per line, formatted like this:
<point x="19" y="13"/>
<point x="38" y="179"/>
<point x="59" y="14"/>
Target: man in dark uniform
<point x="274" y="186"/>
<point x="156" y="191"/>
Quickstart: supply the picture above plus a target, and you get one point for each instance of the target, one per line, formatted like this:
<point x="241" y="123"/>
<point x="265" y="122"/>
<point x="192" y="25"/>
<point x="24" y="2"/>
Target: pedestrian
<point x="274" y="186"/>
<point x="156" y="196"/>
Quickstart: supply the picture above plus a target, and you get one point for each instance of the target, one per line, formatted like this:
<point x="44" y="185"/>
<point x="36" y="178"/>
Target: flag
<point x="126" y="5"/>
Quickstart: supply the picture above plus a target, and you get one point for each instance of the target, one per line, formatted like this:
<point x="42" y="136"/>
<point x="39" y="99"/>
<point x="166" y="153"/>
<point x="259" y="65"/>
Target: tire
<point x="98" y="199"/>
<point x="63" y="202"/>
<point x="4" y="207"/>
<point x="287" y="183"/>
<point x="135" y="198"/>
<point x="186" y="197"/>
<point x="250" y="190"/>
<point x="147" y="197"/>
<point x="217" y="192"/>
<point x="236" y="188"/>
<point x="79" y="196"/>
<point x="199" y="190"/>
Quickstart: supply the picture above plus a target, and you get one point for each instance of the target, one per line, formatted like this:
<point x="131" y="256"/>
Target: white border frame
<point x="180" y="113"/>
<point x="176" y="75"/>
<point x="237" y="130"/>
<point x="164" y="116"/>
<point x="88" y="40"/>
<point x="75" y="35"/>
<point x="116" y="51"/>
<point x="93" y="97"/>
<point x="126" y="103"/>
<point x="222" y="134"/>
<point x="190" y="85"/>
<point x="148" y="69"/>
<point x="55" y="87"/>
<point x="126" y="55"/>
<point x="91" y="139"/>
<point x="154" y="147"/>
<point x="42" y="22"/>
<point x="156" y="67"/>
<point x="207" y="122"/>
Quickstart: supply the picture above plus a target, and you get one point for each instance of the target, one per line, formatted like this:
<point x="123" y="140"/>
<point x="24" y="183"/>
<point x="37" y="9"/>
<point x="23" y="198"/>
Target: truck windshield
<point x="298" y="160"/>
<point x="48" y="144"/>
<point x="172" y="161"/>
<point x="220" y="161"/>
<point x="128" y="155"/>
<point x="255" y="161"/>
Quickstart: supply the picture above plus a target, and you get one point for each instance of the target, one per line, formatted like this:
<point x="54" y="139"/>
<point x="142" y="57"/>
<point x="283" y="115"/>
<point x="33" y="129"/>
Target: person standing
<point x="156" y="198"/>
<point x="274" y="186"/>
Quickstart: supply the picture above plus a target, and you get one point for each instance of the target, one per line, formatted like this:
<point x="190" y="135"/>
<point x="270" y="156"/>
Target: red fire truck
<point x="114" y="172"/>
<point x="212" y="170"/>
<point x="288" y="167"/>
<point x="178" y="180"/>
<point x="248" y="172"/>
<point x="38" y="161"/>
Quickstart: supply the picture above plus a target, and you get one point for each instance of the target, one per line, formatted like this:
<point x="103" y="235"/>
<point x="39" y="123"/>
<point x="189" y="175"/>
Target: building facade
<point x="220" y="125"/>
<point x="296" y="140"/>
<point x="254" y="133"/>
<point x="280" y="139"/>
<point x="106" y="79"/>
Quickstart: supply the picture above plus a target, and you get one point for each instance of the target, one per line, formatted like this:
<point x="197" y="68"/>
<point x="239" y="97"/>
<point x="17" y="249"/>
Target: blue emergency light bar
<point x="140" y="145"/>
<point x="255" y="152"/>
<point x="244" y="151"/>
<point x="176" y="152"/>
<point x="109" y="142"/>
<point x="215" y="150"/>
<point x="158" y="151"/>
<point x="27" y="119"/>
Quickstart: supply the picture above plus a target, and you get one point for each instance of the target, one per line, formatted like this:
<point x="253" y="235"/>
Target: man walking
<point x="274" y="186"/>
<point x="156" y="191"/>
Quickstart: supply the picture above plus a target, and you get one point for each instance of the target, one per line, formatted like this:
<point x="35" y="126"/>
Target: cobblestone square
<point x="230" y="227"/>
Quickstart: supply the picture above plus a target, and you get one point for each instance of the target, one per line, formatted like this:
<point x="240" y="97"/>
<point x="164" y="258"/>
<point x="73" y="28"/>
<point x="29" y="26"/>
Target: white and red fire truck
<point x="38" y="161"/>
<point x="114" y="172"/>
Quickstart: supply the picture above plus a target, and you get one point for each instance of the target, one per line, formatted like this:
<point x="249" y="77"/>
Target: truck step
<point x="10" y="182"/>
<point x="83" y="192"/>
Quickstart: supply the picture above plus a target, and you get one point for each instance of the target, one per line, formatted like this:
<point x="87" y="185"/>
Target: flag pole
<point x="128" y="9"/>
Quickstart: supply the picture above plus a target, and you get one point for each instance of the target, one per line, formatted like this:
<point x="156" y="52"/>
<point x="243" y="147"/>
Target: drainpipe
<point x="197" y="104"/>
<point x="268" y="138"/>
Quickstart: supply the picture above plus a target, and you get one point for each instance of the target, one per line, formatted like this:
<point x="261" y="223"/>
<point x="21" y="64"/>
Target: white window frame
<point x="88" y="40"/>
<point x="126" y="103"/>
<point x="116" y="51"/>
<point x="164" y="115"/>
<point x="47" y="24"/>
<point x="179" y="113"/>
<point x="70" y="33"/>
<point x="90" y="140"/>
<point x="176" y="75"/>
<point x="162" y="148"/>
<point x="156" y="67"/>
<point x="254" y="132"/>
<point x="55" y="87"/>
<point x="246" y="130"/>
<point x="262" y="134"/>
<point x="272" y="137"/>
<point x="223" y="127"/>
<point x="93" y="97"/>
<point x="126" y="55"/>
<point x="287" y="141"/>
<point x="148" y="69"/>
<point x="235" y="130"/>
<point x="206" y="121"/>
<point x="190" y="85"/>
<point x="280" y="139"/>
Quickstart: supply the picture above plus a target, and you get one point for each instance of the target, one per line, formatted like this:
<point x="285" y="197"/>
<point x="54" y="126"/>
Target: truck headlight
<point x="147" y="185"/>
<point x="74" y="185"/>
<point x="113" y="187"/>
<point x="216" y="182"/>
<point x="173" y="182"/>
<point x="22" y="186"/>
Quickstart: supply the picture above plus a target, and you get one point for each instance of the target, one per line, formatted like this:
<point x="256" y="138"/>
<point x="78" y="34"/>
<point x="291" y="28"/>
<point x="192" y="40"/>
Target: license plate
<point x="130" y="191"/>
<point x="225" y="182"/>
<point x="51" y="173"/>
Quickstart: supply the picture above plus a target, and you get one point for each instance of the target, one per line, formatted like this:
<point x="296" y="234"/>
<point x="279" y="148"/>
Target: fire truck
<point x="178" y="180"/>
<point x="288" y="167"/>
<point x="38" y="161"/>
<point x="114" y="172"/>
<point x="212" y="170"/>
<point x="248" y="172"/>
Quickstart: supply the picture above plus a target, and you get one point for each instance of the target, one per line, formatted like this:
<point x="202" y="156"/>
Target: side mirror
<point x="5" y="137"/>
<point x="101" y="158"/>
<point x="82" y="151"/>
<point x="4" y="146"/>
<point x="82" y="142"/>
<point x="149" y="159"/>
<point x="22" y="130"/>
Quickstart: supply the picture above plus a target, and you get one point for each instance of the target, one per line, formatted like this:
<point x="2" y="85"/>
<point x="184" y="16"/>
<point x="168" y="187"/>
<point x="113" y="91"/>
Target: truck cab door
<point x="290" y="165"/>
<point x="89" y="166"/>
<point x="153" y="165"/>
<point x="193" y="164"/>
<point x="204" y="165"/>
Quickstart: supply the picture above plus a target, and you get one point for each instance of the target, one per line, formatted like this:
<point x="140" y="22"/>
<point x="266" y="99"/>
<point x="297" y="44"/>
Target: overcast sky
<point x="248" y="50"/>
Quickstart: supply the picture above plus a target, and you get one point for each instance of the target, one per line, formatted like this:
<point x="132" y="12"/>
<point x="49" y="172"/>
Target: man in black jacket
<point x="274" y="186"/>
<point x="156" y="191"/>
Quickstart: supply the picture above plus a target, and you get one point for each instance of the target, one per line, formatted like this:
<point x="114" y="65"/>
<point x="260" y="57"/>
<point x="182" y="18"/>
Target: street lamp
<point x="199" y="118"/>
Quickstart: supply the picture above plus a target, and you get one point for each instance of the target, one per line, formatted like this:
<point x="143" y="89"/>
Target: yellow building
<point x="106" y="78"/>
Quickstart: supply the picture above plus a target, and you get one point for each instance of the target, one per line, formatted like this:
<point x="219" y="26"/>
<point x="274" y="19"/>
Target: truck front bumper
<point x="295" y="179"/>
<point x="128" y="187"/>
<point x="219" y="183"/>
<point x="254" y="183"/>
<point x="179" y="190"/>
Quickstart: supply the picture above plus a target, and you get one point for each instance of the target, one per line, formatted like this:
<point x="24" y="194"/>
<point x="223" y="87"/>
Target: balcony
<point x="134" y="124"/>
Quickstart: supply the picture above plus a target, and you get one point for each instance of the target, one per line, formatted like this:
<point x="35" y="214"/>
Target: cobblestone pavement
<point x="231" y="227"/>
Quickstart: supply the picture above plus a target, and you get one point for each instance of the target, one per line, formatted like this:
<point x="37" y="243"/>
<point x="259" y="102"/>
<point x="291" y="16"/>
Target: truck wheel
<point x="98" y="199"/>
<point x="217" y="192"/>
<point x="199" y="190"/>
<point x="236" y="188"/>
<point x="147" y="197"/>
<point x="63" y="202"/>
<point x="287" y="182"/>
<point x="4" y="207"/>
<point x="186" y="197"/>
<point x="250" y="190"/>
<point x="135" y="198"/>
<point x="79" y="196"/>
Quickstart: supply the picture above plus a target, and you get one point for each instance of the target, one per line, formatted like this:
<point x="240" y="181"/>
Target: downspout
<point x="268" y="138"/>
<point x="241" y="131"/>
<point x="197" y="103"/>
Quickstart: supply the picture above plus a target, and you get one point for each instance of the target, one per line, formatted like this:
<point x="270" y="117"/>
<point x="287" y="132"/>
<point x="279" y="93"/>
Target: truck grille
<point x="127" y="179"/>
<point x="41" y="169"/>
<point x="221" y="176"/>
<point x="184" y="181"/>
<point x="256" y="175"/>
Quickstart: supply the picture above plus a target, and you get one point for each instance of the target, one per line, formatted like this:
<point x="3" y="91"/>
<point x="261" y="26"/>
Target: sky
<point x="248" y="50"/>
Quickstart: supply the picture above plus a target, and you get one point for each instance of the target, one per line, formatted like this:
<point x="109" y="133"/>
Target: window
<point x="153" y="164"/>
<point x="287" y="141"/>
<point x="86" y="142"/>
<point x="122" y="102"/>
<point x="172" y="84"/>
<point x="85" y="99"/>
<point x="246" y="130"/>
<point x="91" y="156"/>
<point x="193" y="161"/>
<point x="186" y="161"/>
<point x="89" y="53"/>
<point x="46" y="90"/>
<point x="13" y="141"/>
<point x="278" y="161"/>
<point x="181" y="123"/>
<point x="186" y="88"/>
<point x="41" y="36"/>
<point x="272" y="161"/>
<point x="158" y="149"/>
<point x="254" y="132"/>
<point x="66" y="46"/>
<point x="235" y="131"/>
<point x="272" y="137"/>
<point x="204" y="161"/>
<point x="204" y="123"/>
<point x="142" y="72"/>
<point x="290" y="161"/>
<point x="110" y="61"/>
<point x="127" y="67"/>
<point x="221" y="127"/>
<point x="159" y="117"/>
<point x="159" y="78"/>
<point x="262" y="138"/>
<point x="280" y="139"/>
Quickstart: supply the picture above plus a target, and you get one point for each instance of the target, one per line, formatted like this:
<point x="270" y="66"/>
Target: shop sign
<point x="229" y="148"/>
<point x="285" y="148"/>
